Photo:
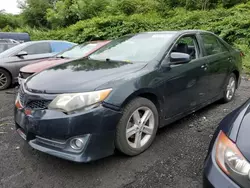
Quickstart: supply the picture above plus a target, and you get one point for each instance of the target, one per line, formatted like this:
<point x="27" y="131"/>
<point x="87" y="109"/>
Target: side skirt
<point x="165" y="122"/>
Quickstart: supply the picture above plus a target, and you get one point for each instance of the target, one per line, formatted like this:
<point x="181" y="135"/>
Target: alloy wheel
<point x="140" y="127"/>
<point x="231" y="88"/>
<point x="3" y="80"/>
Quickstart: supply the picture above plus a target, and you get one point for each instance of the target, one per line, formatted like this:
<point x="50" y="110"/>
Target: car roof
<point x="177" y="32"/>
<point x="98" y="41"/>
<point x="32" y="42"/>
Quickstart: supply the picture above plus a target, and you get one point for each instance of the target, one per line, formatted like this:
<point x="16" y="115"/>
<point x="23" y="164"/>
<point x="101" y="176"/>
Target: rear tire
<point x="5" y="79"/>
<point x="230" y="88"/>
<point x="137" y="128"/>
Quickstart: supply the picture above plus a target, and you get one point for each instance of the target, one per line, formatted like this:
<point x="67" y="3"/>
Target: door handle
<point x="229" y="59"/>
<point x="204" y="66"/>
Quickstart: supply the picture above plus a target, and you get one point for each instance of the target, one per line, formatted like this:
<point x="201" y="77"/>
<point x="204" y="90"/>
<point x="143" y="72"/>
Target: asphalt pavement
<point x="175" y="160"/>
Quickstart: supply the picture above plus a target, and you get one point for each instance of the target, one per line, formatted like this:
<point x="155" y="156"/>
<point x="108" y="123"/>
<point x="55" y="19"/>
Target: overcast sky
<point x="10" y="6"/>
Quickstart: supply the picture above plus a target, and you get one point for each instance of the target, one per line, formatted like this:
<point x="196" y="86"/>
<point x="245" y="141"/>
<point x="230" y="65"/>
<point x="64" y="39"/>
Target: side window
<point x="188" y="45"/>
<point x="60" y="46"/>
<point x="212" y="45"/>
<point x="38" y="48"/>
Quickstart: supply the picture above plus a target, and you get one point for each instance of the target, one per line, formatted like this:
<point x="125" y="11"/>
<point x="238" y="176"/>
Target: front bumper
<point x="214" y="177"/>
<point x="50" y="132"/>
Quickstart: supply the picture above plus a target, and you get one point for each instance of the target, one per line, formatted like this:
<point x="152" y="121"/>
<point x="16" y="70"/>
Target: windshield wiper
<point x="113" y="60"/>
<point x="109" y="60"/>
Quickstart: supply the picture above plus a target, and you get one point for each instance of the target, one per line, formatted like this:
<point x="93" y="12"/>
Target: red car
<point x="77" y="52"/>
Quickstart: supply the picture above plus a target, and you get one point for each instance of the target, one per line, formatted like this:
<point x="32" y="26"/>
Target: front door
<point x="185" y="87"/>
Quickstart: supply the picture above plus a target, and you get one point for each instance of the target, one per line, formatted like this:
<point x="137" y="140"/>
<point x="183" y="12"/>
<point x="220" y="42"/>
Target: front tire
<point x="230" y="88"/>
<point x="5" y="79"/>
<point x="137" y="128"/>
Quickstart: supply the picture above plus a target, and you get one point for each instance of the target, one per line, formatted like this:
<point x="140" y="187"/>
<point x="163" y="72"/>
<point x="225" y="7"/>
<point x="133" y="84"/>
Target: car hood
<point x="42" y="65"/>
<point x="243" y="138"/>
<point x="79" y="76"/>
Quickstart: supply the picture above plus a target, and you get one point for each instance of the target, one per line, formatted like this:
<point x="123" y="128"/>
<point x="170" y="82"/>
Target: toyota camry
<point x="118" y="97"/>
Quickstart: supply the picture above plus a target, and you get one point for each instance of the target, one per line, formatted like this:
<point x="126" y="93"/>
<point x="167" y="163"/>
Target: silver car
<point x="26" y="53"/>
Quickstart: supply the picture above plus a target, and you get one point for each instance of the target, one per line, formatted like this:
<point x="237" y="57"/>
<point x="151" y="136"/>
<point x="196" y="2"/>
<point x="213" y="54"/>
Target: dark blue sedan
<point x="228" y="161"/>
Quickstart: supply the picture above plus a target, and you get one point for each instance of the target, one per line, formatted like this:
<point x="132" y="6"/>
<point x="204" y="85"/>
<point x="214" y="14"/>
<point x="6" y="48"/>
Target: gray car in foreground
<point x="26" y="53"/>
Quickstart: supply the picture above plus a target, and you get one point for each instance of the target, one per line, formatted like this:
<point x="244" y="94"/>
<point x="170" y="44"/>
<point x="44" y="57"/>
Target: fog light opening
<point x="77" y="143"/>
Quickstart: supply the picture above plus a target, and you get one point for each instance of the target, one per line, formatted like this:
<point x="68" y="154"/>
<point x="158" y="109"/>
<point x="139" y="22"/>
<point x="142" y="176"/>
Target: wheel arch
<point x="11" y="77"/>
<point x="237" y="74"/>
<point x="148" y="94"/>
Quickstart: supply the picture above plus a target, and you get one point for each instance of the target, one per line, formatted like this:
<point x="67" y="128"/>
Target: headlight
<point x="231" y="161"/>
<point x="77" y="101"/>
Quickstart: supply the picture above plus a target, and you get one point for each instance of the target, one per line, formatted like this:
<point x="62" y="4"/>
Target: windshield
<point x="78" y="51"/>
<point x="139" y="48"/>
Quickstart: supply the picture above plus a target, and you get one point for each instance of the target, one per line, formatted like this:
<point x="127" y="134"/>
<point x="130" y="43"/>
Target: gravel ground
<point x="174" y="160"/>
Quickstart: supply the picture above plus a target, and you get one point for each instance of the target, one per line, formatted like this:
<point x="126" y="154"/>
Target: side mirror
<point x="177" y="58"/>
<point x="21" y="54"/>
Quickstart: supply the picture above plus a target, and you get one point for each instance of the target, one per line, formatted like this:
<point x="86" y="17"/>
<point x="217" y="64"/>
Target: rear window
<point x="60" y="46"/>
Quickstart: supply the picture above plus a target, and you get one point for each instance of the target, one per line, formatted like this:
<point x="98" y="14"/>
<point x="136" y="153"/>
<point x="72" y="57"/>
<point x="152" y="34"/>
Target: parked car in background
<point x="9" y="41"/>
<point x="120" y="95"/>
<point x="26" y="53"/>
<point x="20" y="37"/>
<point x="5" y="46"/>
<point x="228" y="161"/>
<point x="76" y="52"/>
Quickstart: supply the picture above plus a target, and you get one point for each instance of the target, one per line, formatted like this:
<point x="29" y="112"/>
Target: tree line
<point x="53" y="14"/>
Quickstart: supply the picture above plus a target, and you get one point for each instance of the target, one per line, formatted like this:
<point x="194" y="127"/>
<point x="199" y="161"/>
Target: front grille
<point x="25" y="75"/>
<point x="31" y="103"/>
<point x="38" y="104"/>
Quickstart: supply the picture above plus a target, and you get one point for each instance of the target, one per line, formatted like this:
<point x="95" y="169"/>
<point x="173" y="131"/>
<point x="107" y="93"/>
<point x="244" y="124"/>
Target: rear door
<point x="219" y="58"/>
<point x="185" y="85"/>
<point x="36" y="52"/>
